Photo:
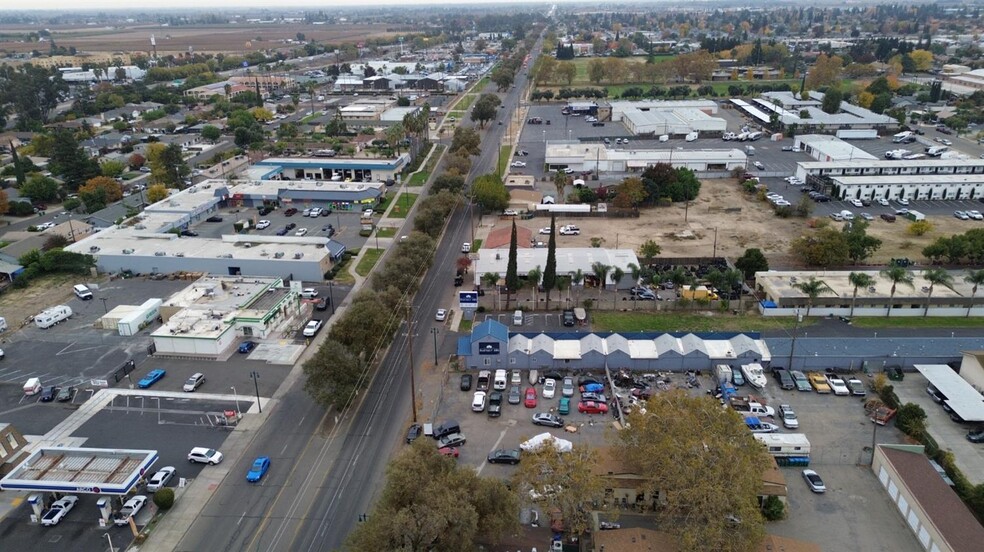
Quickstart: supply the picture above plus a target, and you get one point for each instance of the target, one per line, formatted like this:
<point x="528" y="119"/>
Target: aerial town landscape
<point x="639" y="276"/>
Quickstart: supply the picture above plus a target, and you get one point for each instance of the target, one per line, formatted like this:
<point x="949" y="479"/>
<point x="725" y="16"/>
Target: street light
<point x="434" y="332"/>
<point x="792" y="346"/>
<point x="105" y="308"/>
<point x="331" y="297"/>
<point x="256" y="386"/>
<point x="238" y="412"/>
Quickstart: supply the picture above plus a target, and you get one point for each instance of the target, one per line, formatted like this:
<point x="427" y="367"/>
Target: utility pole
<point x="792" y="346"/>
<point x="413" y="387"/>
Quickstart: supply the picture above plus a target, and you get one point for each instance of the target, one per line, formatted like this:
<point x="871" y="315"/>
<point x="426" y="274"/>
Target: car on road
<point x="160" y="479"/>
<point x="504" y="456"/>
<point x="246" y="346"/>
<point x="214" y="219"/>
<point x="194" y="382"/>
<point x="59" y="509"/>
<point x="856" y="386"/>
<point x="517" y="164"/>
<point x="189" y="233"/>
<point x="259" y="468"/>
<point x="312" y="327"/>
<point x="301" y="232"/>
<point x="203" y="455"/>
<point x="819" y="383"/>
<point x="801" y="381"/>
<point x="592" y="407"/>
<point x="413" y="432"/>
<point x="530" y="400"/>
<point x="65" y="394"/>
<point x="903" y="201"/>
<point x="466" y="382"/>
<point x="130" y="509"/>
<point x="814" y="481"/>
<point x="451" y="440"/>
<point x="596" y="397"/>
<point x="495" y="404"/>
<point x="549" y="388"/>
<point x="466" y="247"/>
<point x="290" y="226"/>
<point x="321" y="305"/>
<point x="521" y="153"/>
<point x="976" y="215"/>
<point x="514" y="395"/>
<point x="570" y="230"/>
<point x="478" y="401"/>
<point x="547" y="419"/>
<point x="737" y="378"/>
<point x="856" y="202"/>
<point x="262" y="224"/>
<point x="442" y="315"/>
<point x="788" y="416"/>
<point x="887" y="217"/>
<point x="151" y="378"/>
<point x="568" y="317"/>
<point x="567" y="388"/>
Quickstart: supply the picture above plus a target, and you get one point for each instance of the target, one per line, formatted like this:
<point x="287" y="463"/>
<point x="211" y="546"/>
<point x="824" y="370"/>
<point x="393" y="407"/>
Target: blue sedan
<point x="247" y="346"/>
<point x="259" y="469"/>
<point x="150" y="379"/>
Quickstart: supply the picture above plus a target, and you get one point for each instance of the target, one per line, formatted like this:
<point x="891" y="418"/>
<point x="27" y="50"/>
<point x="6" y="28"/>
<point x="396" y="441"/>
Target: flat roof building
<point x="668" y="117"/>
<point x="325" y="168"/>
<point x="569" y="261"/>
<point x="599" y="157"/>
<point x="824" y="147"/>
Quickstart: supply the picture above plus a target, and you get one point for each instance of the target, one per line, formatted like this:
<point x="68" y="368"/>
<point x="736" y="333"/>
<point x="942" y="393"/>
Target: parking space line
<point x="502" y="435"/>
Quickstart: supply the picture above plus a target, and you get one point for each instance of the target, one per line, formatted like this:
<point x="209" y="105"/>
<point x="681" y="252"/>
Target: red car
<point x="592" y="407"/>
<point x="530" y="401"/>
<point x="449" y="451"/>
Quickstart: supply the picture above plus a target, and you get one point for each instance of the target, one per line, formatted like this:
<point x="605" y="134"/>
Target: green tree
<point x="502" y="78"/>
<point x="860" y="246"/>
<point x="333" y="374"/>
<point x="112" y="168"/>
<point x="936" y="276"/>
<point x="560" y="183"/>
<point x="70" y="161"/>
<point x="704" y="478"/>
<point x="512" y="275"/>
<point x="395" y="134"/>
<point x="40" y="189"/>
<point x="490" y="193"/>
<point x="466" y="139"/>
<point x="812" y="288"/>
<point x="451" y="182"/>
<point x="566" y="481"/>
<point x="897" y="275"/>
<point x="211" y="133"/>
<point x="617" y="274"/>
<point x="832" y="101"/>
<point x="485" y="109"/>
<point x="361" y="331"/>
<point x="858" y="280"/>
<point x="550" y="270"/>
<point x="18" y="166"/>
<point x="752" y="261"/>
<point x="32" y="93"/>
<point x="533" y="277"/>
<point x="432" y="504"/>
<point x="596" y="70"/>
<point x="601" y="271"/>
<point x="826" y="248"/>
<point x="168" y="167"/>
<point x="164" y="499"/>
<point x="630" y="193"/>
<point x="975" y="278"/>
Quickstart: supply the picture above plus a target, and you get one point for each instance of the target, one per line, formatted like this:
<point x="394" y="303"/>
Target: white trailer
<point x="723" y="373"/>
<point x="49" y="317"/>
<point x="857" y="134"/>
<point x="789" y="449"/>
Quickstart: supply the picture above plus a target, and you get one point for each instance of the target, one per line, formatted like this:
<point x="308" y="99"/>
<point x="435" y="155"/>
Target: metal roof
<point x="80" y="470"/>
<point x="965" y="401"/>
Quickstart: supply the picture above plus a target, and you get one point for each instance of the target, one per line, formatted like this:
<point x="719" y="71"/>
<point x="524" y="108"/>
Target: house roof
<point x="951" y="517"/>
<point x="497" y="331"/>
<point x="634" y="539"/>
<point x="499" y="238"/>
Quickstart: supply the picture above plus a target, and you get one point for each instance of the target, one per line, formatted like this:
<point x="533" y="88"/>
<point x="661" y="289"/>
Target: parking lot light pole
<point x="256" y="386"/>
<point x="105" y="308"/>
<point x="434" y="332"/>
<point x="331" y="298"/>
<point x="239" y="413"/>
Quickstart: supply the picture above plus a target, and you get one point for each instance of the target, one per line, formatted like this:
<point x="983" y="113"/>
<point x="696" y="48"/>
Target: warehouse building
<point x="599" y="157"/>
<point x="305" y="193"/>
<point x="329" y="168"/>
<point x="919" y="179"/>
<point x="674" y="118"/>
<point x="824" y="147"/>
<point x="492" y="346"/>
<point x="789" y="110"/>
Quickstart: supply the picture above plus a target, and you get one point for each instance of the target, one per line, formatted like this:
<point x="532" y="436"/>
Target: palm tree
<point x="533" y="277"/>
<point x="617" y="274"/>
<point x="601" y="272"/>
<point x="897" y="275"/>
<point x="858" y="280"/>
<point x="490" y="279"/>
<point x="936" y="276"/>
<point x="577" y="279"/>
<point x="734" y="278"/>
<point x="975" y="277"/>
<point x="812" y="288"/>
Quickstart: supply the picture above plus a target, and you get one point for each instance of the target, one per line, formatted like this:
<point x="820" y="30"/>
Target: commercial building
<point x="824" y="147"/>
<point x="930" y="508"/>
<point x="782" y="297"/>
<point x="210" y="316"/>
<point x="674" y="118"/>
<point x="569" y="261"/>
<point x="329" y="168"/>
<point x="807" y="115"/>
<point x="924" y="179"/>
<point x="492" y="346"/>
<point x="599" y="157"/>
<point x="305" y="193"/>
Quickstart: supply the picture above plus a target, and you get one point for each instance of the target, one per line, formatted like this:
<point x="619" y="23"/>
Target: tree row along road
<point x="320" y="484"/>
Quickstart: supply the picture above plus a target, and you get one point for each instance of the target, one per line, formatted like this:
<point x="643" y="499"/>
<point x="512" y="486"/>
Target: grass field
<point x="465" y="102"/>
<point x="503" y="159"/>
<point x="928" y="322"/>
<point x="402" y="205"/>
<point x="368" y="260"/>
<point x="385" y="232"/>
<point x="420" y="177"/>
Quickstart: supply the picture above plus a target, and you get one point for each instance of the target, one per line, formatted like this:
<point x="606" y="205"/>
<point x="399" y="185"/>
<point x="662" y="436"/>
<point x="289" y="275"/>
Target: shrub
<point x="920" y="227"/>
<point x="911" y="419"/>
<point x="164" y="498"/>
<point x="773" y="509"/>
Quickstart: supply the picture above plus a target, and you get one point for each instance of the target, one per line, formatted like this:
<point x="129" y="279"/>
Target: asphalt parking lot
<point x="839" y="432"/>
<point x="345" y="223"/>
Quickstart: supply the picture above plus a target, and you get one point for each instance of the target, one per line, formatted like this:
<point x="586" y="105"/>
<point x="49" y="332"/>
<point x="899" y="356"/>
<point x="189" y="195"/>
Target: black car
<point x="48" y="393"/>
<point x="290" y="226"/>
<point x="191" y="233"/>
<point x="283" y="231"/>
<point x="784" y="378"/>
<point x="325" y="211"/>
<point x="322" y="304"/>
<point x="568" y="317"/>
<point x="466" y="382"/>
<point x="265" y="211"/>
<point x="514" y="395"/>
<point x="214" y="219"/>
<point x="413" y="433"/>
<point x="976" y="436"/>
<point x="504" y="456"/>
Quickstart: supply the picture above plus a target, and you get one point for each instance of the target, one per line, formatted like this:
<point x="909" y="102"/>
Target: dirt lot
<point x="741" y="221"/>
<point x="177" y="40"/>
<point x="19" y="305"/>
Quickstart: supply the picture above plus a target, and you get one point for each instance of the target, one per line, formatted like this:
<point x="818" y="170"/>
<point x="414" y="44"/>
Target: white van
<point x="691" y="137"/>
<point x="32" y="387"/>
<point x="518" y="318"/>
<point x="82" y="292"/>
<point x="499" y="383"/>
<point x="664" y="138"/>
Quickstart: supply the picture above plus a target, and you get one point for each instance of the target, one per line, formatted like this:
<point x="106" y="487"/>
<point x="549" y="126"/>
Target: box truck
<point x="49" y="317"/>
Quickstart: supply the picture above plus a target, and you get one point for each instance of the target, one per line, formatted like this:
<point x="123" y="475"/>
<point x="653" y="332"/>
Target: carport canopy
<point x="80" y="471"/>
<point x="965" y="401"/>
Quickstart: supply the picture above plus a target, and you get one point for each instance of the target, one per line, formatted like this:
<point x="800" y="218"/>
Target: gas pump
<point x="105" y="507"/>
<point x="37" y="507"/>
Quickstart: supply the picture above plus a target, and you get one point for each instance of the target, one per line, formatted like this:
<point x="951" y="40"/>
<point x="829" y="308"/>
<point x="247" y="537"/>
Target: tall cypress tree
<point x="18" y="168"/>
<point x="512" y="276"/>
<point x="259" y="97"/>
<point x="550" y="270"/>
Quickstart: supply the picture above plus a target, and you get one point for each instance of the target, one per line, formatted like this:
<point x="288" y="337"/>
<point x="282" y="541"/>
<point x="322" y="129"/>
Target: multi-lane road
<point x="328" y="470"/>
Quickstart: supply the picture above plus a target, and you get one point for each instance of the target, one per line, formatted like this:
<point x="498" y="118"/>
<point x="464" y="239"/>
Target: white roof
<point x="831" y="148"/>
<point x="569" y="260"/>
<point x="567" y="349"/>
<point x="960" y="395"/>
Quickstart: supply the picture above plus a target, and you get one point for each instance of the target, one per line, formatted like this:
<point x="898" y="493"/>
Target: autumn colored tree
<point x="825" y="71"/>
<point x="566" y="481"/>
<point x="112" y="188"/>
<point x="156" y="192"/>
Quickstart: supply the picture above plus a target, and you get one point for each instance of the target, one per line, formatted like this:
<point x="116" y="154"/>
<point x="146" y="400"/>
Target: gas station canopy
<point x="80" y="471"/>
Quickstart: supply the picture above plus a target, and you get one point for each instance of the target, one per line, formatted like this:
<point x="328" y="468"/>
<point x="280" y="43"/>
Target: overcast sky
<point x="205" y="4"/>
